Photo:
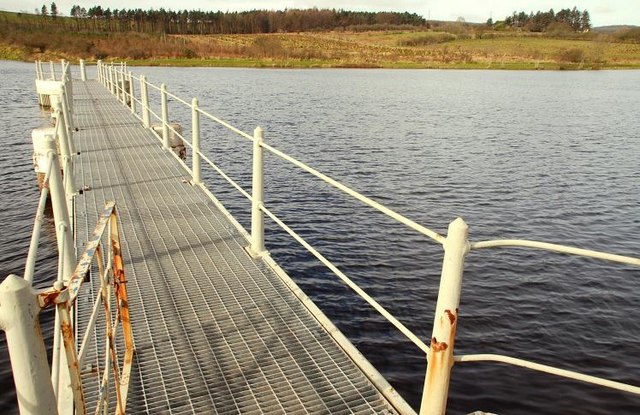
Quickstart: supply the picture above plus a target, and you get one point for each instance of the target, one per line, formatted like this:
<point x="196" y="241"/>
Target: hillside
<point x="445" y="45"/>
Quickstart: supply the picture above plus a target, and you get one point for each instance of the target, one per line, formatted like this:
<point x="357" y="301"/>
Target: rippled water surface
<point x="551" y="156"/>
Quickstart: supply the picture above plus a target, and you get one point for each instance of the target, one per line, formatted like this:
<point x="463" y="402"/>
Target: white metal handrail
<point x="588" y="253"/>
<point x="550" y="370"/>
<point x="396" y="323"/>
<point x="456" y="245"/>
<point x="37" y="225"/>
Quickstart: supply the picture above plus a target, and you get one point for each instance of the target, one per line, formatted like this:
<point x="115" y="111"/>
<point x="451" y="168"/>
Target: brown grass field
<point x="451" y="46"/>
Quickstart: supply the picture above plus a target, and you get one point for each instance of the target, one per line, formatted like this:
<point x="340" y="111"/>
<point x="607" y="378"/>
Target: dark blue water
<point x="551" y="156"/>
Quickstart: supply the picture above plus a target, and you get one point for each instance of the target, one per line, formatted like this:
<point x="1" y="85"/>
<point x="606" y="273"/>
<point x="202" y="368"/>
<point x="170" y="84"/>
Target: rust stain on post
<point x="437" y="346"/>
<point x="452" y="317"/>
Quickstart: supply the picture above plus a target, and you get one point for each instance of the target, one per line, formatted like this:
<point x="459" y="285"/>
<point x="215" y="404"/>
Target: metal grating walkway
<point x="215" y="331"/>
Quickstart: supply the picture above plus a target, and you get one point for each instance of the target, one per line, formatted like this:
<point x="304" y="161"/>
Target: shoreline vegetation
<point x="404" y="41"/>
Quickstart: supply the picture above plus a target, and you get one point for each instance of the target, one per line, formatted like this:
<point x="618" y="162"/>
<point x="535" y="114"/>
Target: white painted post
<point x="65" y="152"/>
<point x="195" y="143"/>
<point x="53" y="71"/>
<point x="112" y="82"/>
<point x="19" y="312"/>
<point x="60" y="213"/>
<point x="131" y="94"/>
<point x="165" y="116"/>
<point x="123" y="84"/>
<point x="99" y="68"/>
<point x="67" y="264"/>
<point x="257" y="248"/>
<point x="144" y="97"/>
<point x="120" y="87"/>
<point x="83" y="71"/>
<point x="40" y="70"/>
<point x="440" y="356"/>
<point x="66" y="113"/>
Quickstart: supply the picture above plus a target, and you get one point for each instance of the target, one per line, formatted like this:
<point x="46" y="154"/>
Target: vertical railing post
<point x="60" y="213"/>
<point x="132" y="101"/>
<point x="144" y="97"/>
<point x="123" y="84"/>
<point x="440" y="355"/>
<point x="120" y="79"/>
<point x="83" y="71"/>
<point x="19" y="311"/>
<point x="195" y="143"/>
<point x="257" y="248"/>
<point x="99" y="68"/>
<point x="165" y="116"/>
<point x="112" y="81"/>
<point x="66" y="113"/>
<point x="53" y="70"/>
<point x="66" y="150"/>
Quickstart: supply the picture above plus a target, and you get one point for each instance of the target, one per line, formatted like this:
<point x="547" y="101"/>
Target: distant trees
<point x="254" y="21"/>
<point x="44" y="11"/>
<point x="569" y="19"/>
<point x="54" y="10"/>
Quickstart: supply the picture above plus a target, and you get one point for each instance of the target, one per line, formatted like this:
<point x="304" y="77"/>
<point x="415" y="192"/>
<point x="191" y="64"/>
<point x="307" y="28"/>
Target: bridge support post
<point x="257" y="248"/>
<point x="440" y="356"/>
<point x="195" y="141"/>
<point x="144" y="97"/>
<point x="165" y="117"/>
<point x="19" y="311"/>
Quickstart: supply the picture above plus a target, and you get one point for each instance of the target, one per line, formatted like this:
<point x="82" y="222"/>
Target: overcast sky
<point x="603" y="12"/>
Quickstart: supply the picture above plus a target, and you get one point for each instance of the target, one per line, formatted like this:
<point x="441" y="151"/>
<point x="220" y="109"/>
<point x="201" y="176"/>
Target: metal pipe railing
<point x="37" y="225"/>
<point x="456" y="246"/>
<point x="550" y="370"/>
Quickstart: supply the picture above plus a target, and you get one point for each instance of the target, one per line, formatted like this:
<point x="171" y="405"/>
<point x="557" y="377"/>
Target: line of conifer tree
<point x="217" y="22"/>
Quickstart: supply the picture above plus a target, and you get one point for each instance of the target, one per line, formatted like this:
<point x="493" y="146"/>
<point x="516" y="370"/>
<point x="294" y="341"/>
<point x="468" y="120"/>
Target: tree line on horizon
<point x="164" y="21"/>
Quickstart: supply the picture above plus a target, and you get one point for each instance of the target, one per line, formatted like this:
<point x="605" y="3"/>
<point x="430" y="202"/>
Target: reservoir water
<point x="550" y="156"/>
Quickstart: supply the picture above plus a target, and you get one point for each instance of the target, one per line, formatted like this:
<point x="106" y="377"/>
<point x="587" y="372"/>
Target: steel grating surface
<point x="215" y="331"/>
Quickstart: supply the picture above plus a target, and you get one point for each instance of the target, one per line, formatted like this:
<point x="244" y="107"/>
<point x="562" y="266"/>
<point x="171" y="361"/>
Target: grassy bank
<point x="461" y="47"/>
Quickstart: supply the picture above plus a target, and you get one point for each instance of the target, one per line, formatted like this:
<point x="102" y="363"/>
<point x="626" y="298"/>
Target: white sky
<point x="603" y="12"/>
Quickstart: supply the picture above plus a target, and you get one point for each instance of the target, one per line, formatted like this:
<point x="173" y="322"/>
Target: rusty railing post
<point x="440" y="356"/>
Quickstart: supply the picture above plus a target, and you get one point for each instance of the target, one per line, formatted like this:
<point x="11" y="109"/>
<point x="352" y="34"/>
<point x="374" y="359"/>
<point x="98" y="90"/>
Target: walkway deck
<point x="215" y="331"/>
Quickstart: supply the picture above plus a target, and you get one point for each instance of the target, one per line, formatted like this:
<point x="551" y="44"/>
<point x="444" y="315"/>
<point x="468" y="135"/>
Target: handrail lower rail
<point x="595" y="380"/>
<point x="588" y="253"/>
